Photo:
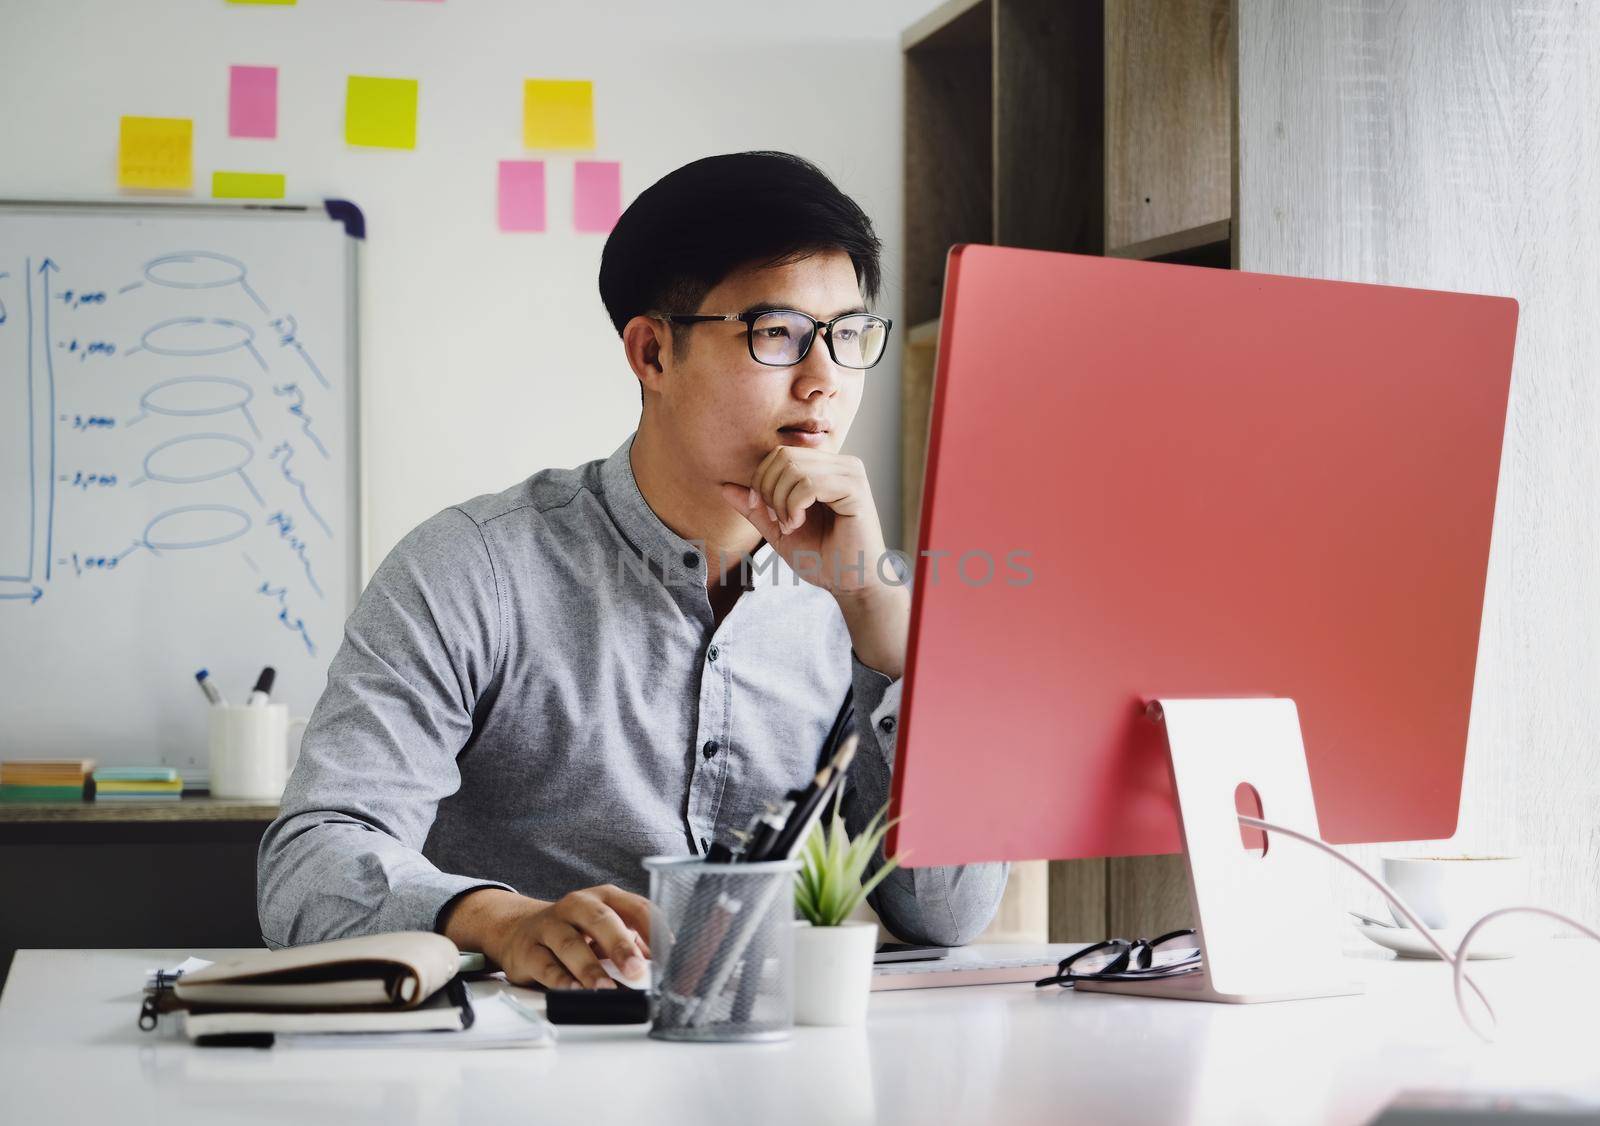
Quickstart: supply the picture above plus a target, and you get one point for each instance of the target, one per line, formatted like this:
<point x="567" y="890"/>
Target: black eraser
<point x="597" y="1006"/>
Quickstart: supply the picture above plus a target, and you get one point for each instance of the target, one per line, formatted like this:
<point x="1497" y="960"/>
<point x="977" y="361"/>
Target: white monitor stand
<point x="1265" y="922"/>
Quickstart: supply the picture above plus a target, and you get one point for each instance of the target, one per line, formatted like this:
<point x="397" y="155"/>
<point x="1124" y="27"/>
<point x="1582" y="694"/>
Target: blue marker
<point x="203" y="678"/>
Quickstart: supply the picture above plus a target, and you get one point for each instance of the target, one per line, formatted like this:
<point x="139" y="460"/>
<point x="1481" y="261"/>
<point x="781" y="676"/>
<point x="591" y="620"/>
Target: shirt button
<point x="690" y="559"/>
<point x="710" y="749"/>
<point x="712" y="655"/>
<point x="886" y="725"/>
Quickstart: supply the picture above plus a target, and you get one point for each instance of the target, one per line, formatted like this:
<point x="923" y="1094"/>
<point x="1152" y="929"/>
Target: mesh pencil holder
<point x="722" y="941"/>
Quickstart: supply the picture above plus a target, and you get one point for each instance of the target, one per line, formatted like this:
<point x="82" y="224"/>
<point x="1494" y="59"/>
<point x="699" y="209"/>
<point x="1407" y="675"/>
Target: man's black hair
<point x="695" y="226"/>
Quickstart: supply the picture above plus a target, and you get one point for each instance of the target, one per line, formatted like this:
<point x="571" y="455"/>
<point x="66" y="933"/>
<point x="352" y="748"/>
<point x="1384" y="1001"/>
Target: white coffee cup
<point x="249" y="750"/>
<point x="1453" y="892"/>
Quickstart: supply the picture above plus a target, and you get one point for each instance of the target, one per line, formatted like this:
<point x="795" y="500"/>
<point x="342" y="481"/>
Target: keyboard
<point x="997" y="964"/>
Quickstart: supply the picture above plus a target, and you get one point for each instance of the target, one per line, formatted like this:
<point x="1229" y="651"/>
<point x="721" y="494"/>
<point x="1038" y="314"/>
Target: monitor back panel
<point x="1149" y="480"/>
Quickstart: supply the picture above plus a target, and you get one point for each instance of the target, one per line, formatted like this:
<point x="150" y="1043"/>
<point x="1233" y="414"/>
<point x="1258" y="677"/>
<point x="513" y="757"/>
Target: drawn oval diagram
<point x="194" y="269"/>
<point x="197" y="457"/>
<point x="195" y="525"/>
<point x="196" y="336"/>
<point x="196" y="395"/>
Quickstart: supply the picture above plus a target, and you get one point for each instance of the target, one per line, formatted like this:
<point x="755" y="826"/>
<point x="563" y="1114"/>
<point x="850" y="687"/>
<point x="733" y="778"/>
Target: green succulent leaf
<point x="829" y="887"/>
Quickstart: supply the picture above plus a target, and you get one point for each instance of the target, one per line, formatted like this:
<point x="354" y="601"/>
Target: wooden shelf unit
<point x="1088" y="127"/>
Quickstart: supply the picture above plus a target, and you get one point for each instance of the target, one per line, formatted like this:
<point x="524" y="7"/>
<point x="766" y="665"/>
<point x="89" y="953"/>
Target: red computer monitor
<point x="1225" y="484"/>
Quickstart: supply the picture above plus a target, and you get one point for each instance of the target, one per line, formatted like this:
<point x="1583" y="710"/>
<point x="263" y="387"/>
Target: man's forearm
<point x="879" y="620"/>
<point x="949" y="906"/>
<point x="322" y="875"/>
<point x="473" y="919"/>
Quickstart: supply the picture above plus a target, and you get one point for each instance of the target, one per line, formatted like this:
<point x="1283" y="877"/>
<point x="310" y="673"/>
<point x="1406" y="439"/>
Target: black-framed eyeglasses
<point x="781" y="338"/>
<point x="1119" y="958"/>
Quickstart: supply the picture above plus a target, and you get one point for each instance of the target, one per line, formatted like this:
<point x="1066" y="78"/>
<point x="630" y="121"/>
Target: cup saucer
<point x="1409" y="944"/>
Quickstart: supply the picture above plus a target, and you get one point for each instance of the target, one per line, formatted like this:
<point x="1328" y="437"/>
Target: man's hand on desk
<point x="560" y="944"/>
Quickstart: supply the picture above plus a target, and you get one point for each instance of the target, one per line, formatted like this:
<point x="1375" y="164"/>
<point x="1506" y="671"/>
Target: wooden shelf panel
<point x="1049" y="139"/>
<point x="925" y="334"/>
<point x="916" y="407"/>
<point x="1178" y="242"/>
<point x="958" y="23"/>
<point x="1169" y="116"/>
<point x="949" y="169"/>
<point x="182" y="810"/>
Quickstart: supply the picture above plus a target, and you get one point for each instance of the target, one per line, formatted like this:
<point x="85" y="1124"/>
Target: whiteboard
<point x="178" y="467"/>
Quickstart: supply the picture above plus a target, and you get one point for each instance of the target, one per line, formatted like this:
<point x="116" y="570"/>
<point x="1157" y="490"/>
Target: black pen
<point x="768" y="825"/>
<point x="799" y="823"/>
<point x="796" y="801"/>
<point x="263" y="689"/>
<point x="841" y="723"/>
<point x="759" y="847"/>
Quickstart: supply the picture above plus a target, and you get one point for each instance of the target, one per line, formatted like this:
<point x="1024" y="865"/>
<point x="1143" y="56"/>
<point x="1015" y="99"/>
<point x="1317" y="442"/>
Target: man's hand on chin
<point x="815" y="508"/>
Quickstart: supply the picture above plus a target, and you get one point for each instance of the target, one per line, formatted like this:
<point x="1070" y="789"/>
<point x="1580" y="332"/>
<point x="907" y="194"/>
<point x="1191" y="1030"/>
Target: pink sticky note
<point x="522" y="195"/>
<point x="252" y="101"/>
<point x="596" y="195"/>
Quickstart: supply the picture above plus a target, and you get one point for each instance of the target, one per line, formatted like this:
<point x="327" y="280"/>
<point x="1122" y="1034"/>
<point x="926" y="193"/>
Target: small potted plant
<point x="832" y="952"/>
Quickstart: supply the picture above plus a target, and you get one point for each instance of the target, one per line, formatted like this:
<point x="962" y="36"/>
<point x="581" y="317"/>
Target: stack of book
<point x="379" y="990"/>
<point x="137" y="783"/>
<point x="45" y="779"/>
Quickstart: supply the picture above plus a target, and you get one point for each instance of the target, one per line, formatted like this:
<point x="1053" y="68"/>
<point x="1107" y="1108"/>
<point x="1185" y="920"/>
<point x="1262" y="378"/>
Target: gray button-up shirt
<point x="532" y="693"/>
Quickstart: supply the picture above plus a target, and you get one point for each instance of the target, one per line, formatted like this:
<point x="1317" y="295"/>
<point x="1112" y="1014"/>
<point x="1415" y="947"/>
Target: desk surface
<point x="69" y="1051"/>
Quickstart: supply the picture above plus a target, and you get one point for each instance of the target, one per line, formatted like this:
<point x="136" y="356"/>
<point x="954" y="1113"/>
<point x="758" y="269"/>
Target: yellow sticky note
<point x="557" y="114"/>
<point x="247" y="185"/>
<point x="381" y="112"/>
<point x="156" y="152"/>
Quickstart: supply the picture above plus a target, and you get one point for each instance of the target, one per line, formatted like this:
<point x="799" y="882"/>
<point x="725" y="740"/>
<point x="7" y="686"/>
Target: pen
<point x="795" y="802"/>
<point x="841" y="724"/>
<point x="728" y="954"/>
<point x="799" y="824"/>
<point x="768" y="825"/>
<point x="263" y="688"/>
<point x="203" y="678"/>
<point x="690" y="962"/>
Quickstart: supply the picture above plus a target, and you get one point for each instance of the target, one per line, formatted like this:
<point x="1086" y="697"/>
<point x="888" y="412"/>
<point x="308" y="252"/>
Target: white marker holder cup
<point x="249" y="746"/>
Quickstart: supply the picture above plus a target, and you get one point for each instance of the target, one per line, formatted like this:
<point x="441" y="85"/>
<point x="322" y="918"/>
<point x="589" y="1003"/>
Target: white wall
<point x="487" y="356"/>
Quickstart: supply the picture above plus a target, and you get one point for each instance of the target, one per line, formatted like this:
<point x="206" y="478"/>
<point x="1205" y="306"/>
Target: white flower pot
<point x="833" y="972"/>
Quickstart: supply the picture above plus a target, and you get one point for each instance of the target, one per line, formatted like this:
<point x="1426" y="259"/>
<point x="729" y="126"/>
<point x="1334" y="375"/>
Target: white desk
<point x="70" y="1051"/>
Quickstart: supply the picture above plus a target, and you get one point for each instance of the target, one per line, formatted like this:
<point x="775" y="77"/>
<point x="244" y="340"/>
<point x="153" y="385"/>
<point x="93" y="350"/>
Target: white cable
<point x="1457" y="961"/>
<point x="1472" y="931"/>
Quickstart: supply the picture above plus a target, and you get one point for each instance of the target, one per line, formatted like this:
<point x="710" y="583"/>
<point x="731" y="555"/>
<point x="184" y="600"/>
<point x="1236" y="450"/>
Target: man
<point x="625" y="659"/>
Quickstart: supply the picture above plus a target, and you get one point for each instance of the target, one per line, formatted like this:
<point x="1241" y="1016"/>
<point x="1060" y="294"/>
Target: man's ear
<point x="648" y="343"/>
